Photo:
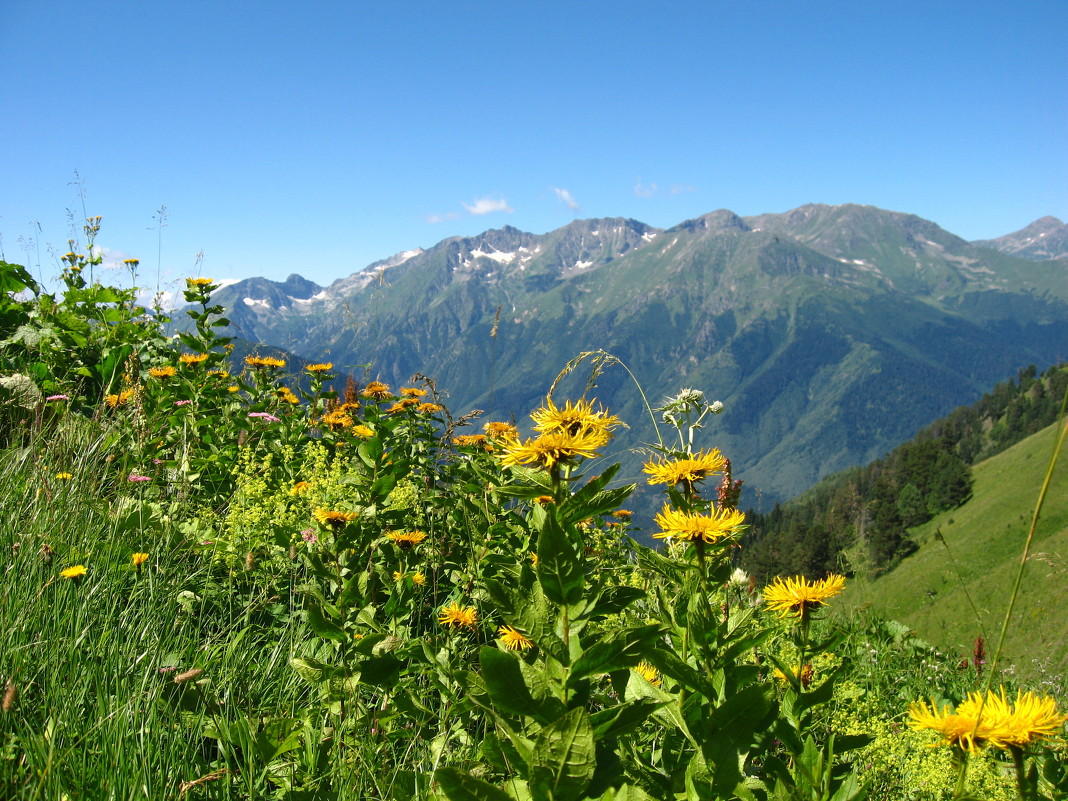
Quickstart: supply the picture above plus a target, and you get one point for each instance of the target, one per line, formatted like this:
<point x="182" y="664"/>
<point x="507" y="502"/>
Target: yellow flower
<point x="622" y="514"/>
<point x="720" y="524"/>
<point x="139" y="559"/>
<point x="73" y="572"/>
<point x="376" y="390"/>
<point x="413" y="392"/>
<point x="264" y="361"/>
<point x="690" y="470"/>
<point x="120" y="399"/>
<point x="337" y="420"/>
<point x="470" y="440"/>
<point x="401" y="405"/>
<point x="398" y="577"/>
<point x="502" y="430"/>
<point x="648" y="672"/>
<point x="963" y="728"/>
<point x="300" y="488"/>
<point x="163" y="372"/>
<point x="199" y="281"/>
<point x="798" y="596"/>
<point x="192" y="358"/>
<point x="334" y="518"/>
<point x="406" y="539"/>
<point x="573" y="419"/>
<point x="64" y="476"/>
<point x="320" y="368"/>
<point x="1032" y="717"/>
<point x="287" y="396"/>
<point x="429" y="408"/>
<point x="513" y="639"/>
<point x="363" y="431"/>
<point x="456" y="616"/>
<point x="219" y="373"/>
<point x="419" y="579"/>
<point x="548" y="449"/>
<point x="233" y="388"/>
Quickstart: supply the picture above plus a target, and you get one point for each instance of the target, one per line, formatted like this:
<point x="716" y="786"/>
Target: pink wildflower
<point x="137" y="479"/>
<point x="57" y="397"/>
<point x="182" y="402"/>
<point x="270" y="418"/>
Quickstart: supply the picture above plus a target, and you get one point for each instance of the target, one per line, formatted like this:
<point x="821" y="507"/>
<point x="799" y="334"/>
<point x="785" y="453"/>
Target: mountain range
<point x="831" y="333"/>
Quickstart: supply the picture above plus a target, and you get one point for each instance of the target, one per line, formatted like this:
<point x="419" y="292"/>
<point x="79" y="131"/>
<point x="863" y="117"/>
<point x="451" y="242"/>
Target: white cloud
<point x="565" y="197"/>
<point x="642" y="189"/>
<point x="488" y="205"/>
<point x="438" y="218"/>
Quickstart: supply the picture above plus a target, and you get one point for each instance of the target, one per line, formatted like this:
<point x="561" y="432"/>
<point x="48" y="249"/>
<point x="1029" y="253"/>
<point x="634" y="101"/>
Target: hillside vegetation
<point x="955" y="587"/>
<point x="858" y="521"/>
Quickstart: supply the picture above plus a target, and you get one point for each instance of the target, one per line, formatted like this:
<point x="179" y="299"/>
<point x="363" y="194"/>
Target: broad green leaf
<point x="506" y="685"/>
<point x="561" y="568"/>
<point x="617" y="651"/>
<point x="311" y="670"/>
<point x="564" y="758"/>
<point x="730" y="731"/>
<point x="324" y="628"/>
<point x="460" y="786"/>
<point x="622" y="718"/>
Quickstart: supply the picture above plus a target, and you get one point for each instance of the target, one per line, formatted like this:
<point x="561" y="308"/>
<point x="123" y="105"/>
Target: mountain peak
<point x="719" y="220"/>
<point x="1045" y="238"/>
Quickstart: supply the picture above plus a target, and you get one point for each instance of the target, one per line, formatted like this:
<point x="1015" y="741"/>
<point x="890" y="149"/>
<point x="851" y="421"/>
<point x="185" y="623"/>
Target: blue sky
<point x="319" y="137"/>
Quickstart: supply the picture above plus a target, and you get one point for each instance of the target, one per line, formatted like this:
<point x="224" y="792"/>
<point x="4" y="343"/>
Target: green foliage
<point x="225" y="588"/>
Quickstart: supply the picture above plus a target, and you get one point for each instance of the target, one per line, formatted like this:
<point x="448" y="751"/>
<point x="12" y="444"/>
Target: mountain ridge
<point x="831" y="332"/>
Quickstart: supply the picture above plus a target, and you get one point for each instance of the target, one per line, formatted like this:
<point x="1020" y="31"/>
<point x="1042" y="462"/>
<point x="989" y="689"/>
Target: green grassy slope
<point x="953" y="591"/>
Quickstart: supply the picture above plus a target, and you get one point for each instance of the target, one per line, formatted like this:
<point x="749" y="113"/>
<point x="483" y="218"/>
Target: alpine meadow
<point x="761" y="508"/>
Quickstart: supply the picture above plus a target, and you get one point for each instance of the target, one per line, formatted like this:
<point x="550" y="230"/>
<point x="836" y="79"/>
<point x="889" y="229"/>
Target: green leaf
<point x="617" y="651"/>
<point x="324" y="628"/>
<point x="622" y="718"/>
<point x="561" y="571"/>
<point x="460" y="786"/>
<point x="380" y="671"/>
<point x="311" y="670"/>
<point x="613" y="600"/>
<point x="564" y="759"/>
<point x="730" y="732"/>
<point x="507" y="686"/>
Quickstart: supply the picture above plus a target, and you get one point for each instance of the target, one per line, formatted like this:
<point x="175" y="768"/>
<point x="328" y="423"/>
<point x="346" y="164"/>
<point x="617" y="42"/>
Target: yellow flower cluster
<point x="689" y="471"/>
<point x="192" y="358"/>
<point x="566" y="433"/>
<point x="120" y="399"/>
<point x="376" y="390"/>
<point x="990" y="719"/>
<point x="797" y="596"/>
<point x="334" y="518"/>
<point x="718" y="525"/>
<point x="458" y="617"/>
<point x="501" y="430"/>
<point x="320" y="368"/>
<point x="514" y="639"/>
<point x="163" y="372"/>
<point x="264" y="361"/>
<point x="406" y="539"/>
